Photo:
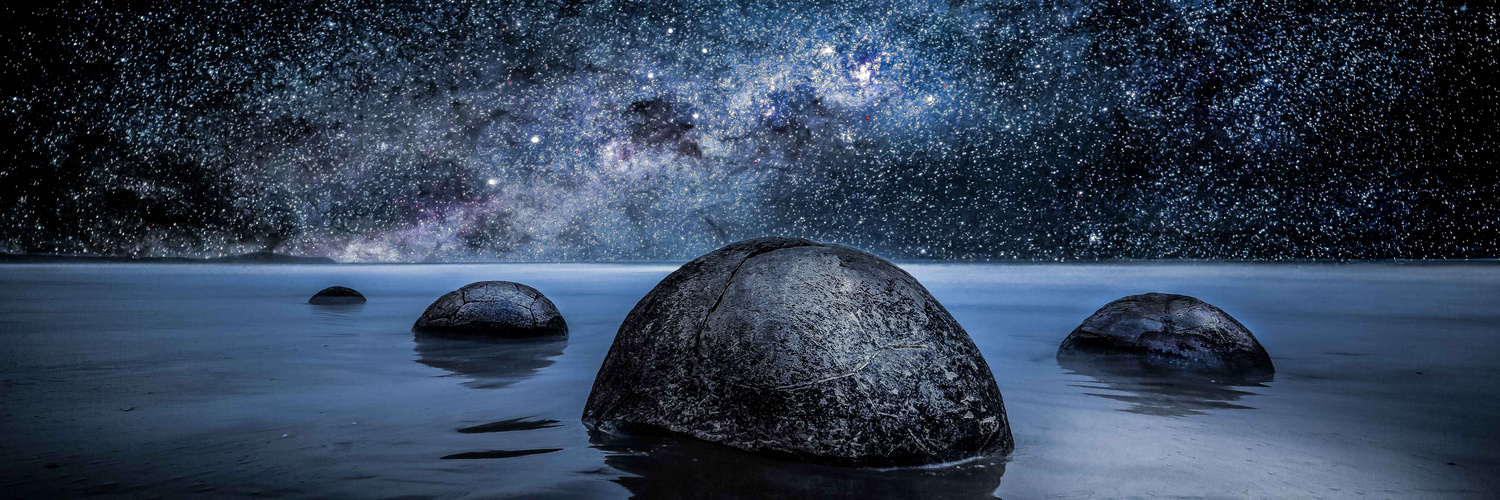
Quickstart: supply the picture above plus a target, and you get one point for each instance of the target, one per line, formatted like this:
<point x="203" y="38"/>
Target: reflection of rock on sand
<point x="337" y="314"/>
<point x="676" y="467"/>
<point x="1152" y="391"/>
<point x="489" y="363"/>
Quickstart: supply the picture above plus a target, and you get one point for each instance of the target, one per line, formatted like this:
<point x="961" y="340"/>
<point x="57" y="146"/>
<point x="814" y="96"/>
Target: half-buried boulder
<point x="802" y="350"/>
<point x="495" y="309"/>
<point x="1168" y="331"/>
<point x="336" y="295"/>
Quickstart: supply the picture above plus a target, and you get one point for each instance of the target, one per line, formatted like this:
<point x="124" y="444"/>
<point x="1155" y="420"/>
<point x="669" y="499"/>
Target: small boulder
<point x="1168" y="331"/>
<point x="335" y="295"/>
<point x="802" y="350"/>
<point x="495" y="309"/>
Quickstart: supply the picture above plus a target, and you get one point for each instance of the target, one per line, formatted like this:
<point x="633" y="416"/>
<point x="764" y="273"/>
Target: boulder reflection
<point x="1156" y="391"/>
<point x="337" y="314"/>
<point x="488" y="363"/>
<point x="676" y="467"/>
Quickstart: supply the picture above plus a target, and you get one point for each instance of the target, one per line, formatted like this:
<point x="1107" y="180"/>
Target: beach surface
<point x="144" y="380"/>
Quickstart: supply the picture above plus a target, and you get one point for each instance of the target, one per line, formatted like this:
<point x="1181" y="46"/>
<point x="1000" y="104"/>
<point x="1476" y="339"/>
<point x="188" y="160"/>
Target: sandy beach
<point x="159" y="380"/>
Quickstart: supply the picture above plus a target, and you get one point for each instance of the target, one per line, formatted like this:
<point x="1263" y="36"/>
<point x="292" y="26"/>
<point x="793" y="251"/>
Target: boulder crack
<point x="862" y="365"/>
<point x="698" y="336"/>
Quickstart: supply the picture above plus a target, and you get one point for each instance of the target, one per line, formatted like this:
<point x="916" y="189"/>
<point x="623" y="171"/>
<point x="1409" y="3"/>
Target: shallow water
<point x="219" y="380"/>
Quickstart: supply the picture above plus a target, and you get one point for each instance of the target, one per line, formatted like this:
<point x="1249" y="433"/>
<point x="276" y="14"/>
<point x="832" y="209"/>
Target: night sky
<point x="575" y="130"/>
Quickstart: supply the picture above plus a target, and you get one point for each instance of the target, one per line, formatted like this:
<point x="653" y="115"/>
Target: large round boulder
<point x="803" y="350"/>
<point x="1168" y="331"/>
<point x="493" y="308"/>
<point x="336" y="295"/>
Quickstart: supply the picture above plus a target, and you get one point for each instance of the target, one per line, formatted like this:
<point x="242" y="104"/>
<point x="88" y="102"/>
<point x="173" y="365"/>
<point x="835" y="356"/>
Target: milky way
<point x="573" y="130"/>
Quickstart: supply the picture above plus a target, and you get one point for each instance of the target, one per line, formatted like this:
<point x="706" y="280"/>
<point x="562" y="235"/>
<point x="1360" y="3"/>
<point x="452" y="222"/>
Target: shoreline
<point x="269" y="258"/>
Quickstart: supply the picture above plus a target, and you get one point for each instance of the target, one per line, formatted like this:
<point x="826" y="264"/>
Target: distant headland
<point x="245" y="258"/>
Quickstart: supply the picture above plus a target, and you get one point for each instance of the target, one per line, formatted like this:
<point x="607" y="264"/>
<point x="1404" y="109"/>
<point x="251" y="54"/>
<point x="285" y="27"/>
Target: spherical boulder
<point x="1168" y="331"/>
<point x="335" y="295"/>
<point x="803" y="350"/>
<point x="495" y="309"/>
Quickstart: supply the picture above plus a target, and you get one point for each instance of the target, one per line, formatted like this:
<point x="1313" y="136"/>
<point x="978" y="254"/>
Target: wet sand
<point x="219" y="380"/>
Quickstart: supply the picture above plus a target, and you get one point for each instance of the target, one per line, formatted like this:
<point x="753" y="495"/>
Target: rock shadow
<point x="492" y="454"/>
<point x="678" y="467"/>
<point x="488" y="363"/>
<point x="1152" y="390"/>
<point x="511" y="425"/>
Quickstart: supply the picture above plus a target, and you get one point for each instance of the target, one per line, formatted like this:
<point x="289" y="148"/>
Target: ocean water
<point x="220" y="381"/>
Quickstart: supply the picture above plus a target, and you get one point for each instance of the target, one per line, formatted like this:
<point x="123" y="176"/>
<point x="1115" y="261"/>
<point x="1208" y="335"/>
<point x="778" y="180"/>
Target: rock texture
<point x="493" y="308"/>
<point x="804" y="350"/>
<point x="1168" y="331"/>
<point x="337" y="295"/>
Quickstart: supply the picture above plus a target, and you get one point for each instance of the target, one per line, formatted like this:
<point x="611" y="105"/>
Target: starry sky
<point x="570" y="130"/>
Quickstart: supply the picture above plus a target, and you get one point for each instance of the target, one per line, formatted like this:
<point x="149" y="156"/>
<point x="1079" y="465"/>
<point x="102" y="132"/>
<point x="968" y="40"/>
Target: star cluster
<point x="573" y="130"/>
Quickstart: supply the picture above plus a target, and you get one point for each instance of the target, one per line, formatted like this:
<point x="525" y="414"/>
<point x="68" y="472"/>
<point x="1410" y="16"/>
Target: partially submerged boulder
<point x="335" y="295"/>
<point x="668" y="467"/>
<point x="804" y="350"/>
<point x="493" y="308"/>
<point x="1168" y="331"/>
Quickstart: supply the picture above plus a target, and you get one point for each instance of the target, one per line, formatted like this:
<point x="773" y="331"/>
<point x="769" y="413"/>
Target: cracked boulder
<point x="335" y="295"/>
<point x="494" y="309"/>
<point x="1167" y="331"/>
<point x="803" y="350"/>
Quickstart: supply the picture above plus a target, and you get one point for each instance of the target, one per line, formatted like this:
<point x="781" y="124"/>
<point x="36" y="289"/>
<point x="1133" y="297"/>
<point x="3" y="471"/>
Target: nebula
<point x="618" y="130"/>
